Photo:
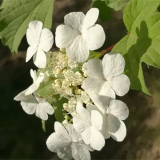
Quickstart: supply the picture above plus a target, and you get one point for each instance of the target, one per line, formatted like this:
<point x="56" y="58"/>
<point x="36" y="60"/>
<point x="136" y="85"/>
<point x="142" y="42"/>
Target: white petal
<point x="105" y="127"/>
<point x="73" y="133"/>
<point x="48" y="108"/>
<point x="46" y="40"/>
<point x="90" y="18"/>
<point x="94" y="68"/>
<point x="121" y="133"/>
<point x="33" y="75"/>
<point x="74" y="20"/>
<point x="40" y="59"/>
<point x="113" y="123"/>
<point x="83" y="113"/>
<point x="35" y="85"/>
<point x="95" y="37"/>
<point x="120" y="84"/>
<point x="96" y="119"/>
<point x="119" y="109"/>
<point x="79" y="152"/>
<point x="97" y="140"/>
<point x="30" y="52"/>
<point x="29" y="107"/>
<point x="113" y="65"/>
<point x="65" y="36"/>
<point x="78" y="124"/>
<point x="65" y="153"/>
<point x="56" y="141"/>
<point x="106" y="90"/>
<point x="34" y="32"/>
<point x="78" y="50"/>
<point x="28" y="99"/>
<point x="92" y="87"/>
<point x="40" y="112"/>
<point x="86" y="135"/>
<point x="59" y="128"/>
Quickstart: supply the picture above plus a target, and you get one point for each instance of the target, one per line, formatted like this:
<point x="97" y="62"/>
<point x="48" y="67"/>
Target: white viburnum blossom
<point x="113" y="116"/>
<point x="40" y="41"/>
<point x="36" y="82"/>
<point x="89" y="125"/>
<point x="80" y="34"/>
<point x="68" y="143"/>
<point x="35" y="104"/>
<point x="106" y="79"/>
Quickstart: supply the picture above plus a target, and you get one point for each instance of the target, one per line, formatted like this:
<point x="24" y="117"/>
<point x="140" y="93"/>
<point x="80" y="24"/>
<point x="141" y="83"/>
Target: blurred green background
<point x="21" y="135"/>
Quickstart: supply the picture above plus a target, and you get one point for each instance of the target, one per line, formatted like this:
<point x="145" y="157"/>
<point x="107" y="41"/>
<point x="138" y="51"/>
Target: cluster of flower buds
<point x="88" y="85"/>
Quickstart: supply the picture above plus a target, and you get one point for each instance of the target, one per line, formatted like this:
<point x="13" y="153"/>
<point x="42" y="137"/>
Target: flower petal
<point x="118" y="109"/>
<point x="121" y="133"/>
<point x="65" y="153"/>
<point x="113" y="65"/>
<point x="40" y="59"/>
<point x="86" y="135"/>
<point x="94" y="69"/>
<point x="30" y="52"/>
<point x="95" y="37"/>
<point x="46" y="40"/>
<point x="113" y="124"/>
<point x="34" y="32"/>
<point x="106" y="90"/>
<point x="48" y="108"/>
<point x="120" y="84"/>
<point x="96" y="119"/>
<point x="33" y="74"/>
<point x="78" y="50"/>
<point x="65" y="36"/>
<point x="40" y="112"/>
<point x="78" y="124"/>
<point x="92" y="87"/>
<point x="74" y="20"/>
<point x="29" y="107"/>
<point x="73" y="133"/>
<point x="56" y="141"/>
<point x="59" y="128"/>
<point x="83" y="113"/>
<point x="21" y="97"/>
<point x="97" y="140"/>
<point x="79" y="152"/>
<point x="90" y="18"/>
<point x="35" y="85"/>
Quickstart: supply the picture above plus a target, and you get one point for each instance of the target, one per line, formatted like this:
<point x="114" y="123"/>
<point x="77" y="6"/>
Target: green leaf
<point x="16" y="15"/>
<point x="117" y="4"/>
<point x="105" y="12"/>
<point x="58" y="108"/>
<point x="46" y="88"/>
<point x="114" y="4"/>
<point x="142" y="42"/>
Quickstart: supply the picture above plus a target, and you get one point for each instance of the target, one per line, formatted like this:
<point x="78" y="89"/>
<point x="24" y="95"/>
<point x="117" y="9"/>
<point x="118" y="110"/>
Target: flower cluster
<point x="89" y="86"/>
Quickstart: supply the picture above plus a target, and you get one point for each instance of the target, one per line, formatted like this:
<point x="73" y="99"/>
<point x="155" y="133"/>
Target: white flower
<point x="36" y="82"/>
<point x="106" y="78"/>
<point x="40" y="41"/>
<point x="68" y="143"/>
<point x="89" y="126"/>
<point x="80" y="34"/>
<point x="112" y="119"/>
<point x="34" y="104"/>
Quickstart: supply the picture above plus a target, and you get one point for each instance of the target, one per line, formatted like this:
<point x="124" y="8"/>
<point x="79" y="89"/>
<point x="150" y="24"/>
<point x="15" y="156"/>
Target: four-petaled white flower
<point x="89" y="125"/>
<point x="36" y="82"/>
<point x="35" y="104"/>
<point x="106" y="78"/>
<point x="68" y="143"/>
<point x="112" y="119"/>
<point x="40" y="41"/>
<point x="80" y="34"/>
